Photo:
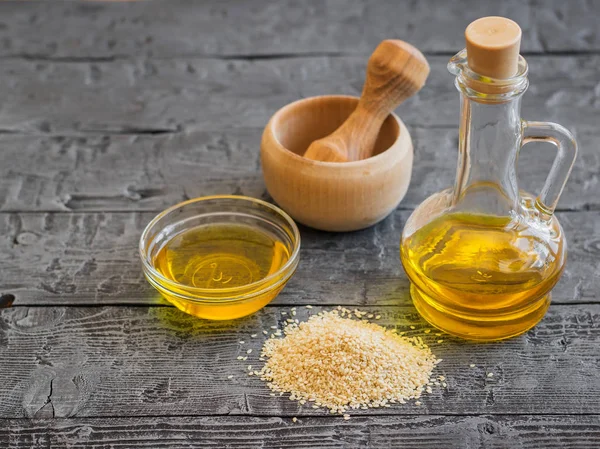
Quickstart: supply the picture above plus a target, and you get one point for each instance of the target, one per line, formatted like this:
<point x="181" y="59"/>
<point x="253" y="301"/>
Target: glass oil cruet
<point x="483" y="256"/>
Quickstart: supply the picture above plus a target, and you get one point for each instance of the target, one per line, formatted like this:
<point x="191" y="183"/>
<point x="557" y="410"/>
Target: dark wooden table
<point x="111" y="112"/>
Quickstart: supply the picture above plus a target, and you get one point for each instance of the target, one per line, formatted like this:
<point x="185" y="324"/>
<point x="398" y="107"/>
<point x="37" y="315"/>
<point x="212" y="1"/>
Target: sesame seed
<point x="309" y="307"/>
<point x="249" y="367"/>
<point x="440" y="341"/>
<point x="413" y="327"/>
<point x="230" y="376"/>
<point x="439" y="334"/>
<point x="346" y="417"/>
<point x="254" y="335"/>
<point x="293" y="312"/>
<point x="427" y="331"/>
<point x="284" y="313"/>
<point x="370" y="315"/>
<point x="273" y="327"/>
<point x="472" y="365"/>
<point x="442" y="377"/>
<point x="239" y="357"/>
<point x="490" y="375"/>
<point x="294" y="419"/>
<point x="418" y="403"/>
<point x="265" y="332"/>
<point x="377" y="317"/>
<point x="327" y="339"/>
<point x="444" y="384"/>
<point x="249" y="351"/>
<point x="250" y="373"/>
<point x="429" y="390"/>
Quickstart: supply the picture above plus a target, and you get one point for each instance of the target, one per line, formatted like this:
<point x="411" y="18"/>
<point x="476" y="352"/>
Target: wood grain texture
<point x="333" y="197"/>
<point x="151" y="173"/>
<point x="224" y="28"/>
<point x="395" y="71"/>
<point x="157" y="96"/>
<point x="137" y="361"/>
<point x="92" y="258"/>
<point x="381" y="432"/>
<point x="113" y="111"/>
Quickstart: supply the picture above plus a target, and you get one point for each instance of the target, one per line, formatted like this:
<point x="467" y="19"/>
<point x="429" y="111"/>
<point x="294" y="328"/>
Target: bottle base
<point x="479" y="327"/>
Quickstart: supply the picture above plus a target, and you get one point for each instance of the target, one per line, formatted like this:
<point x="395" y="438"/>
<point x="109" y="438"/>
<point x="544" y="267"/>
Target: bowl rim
<point x="239" y="293"/>
<point x="402" y="134"/>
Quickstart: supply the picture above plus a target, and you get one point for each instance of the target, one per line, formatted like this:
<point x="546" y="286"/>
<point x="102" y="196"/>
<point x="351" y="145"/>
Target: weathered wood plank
<point x="448" y="432"/>
<point x="175" y="98"/>
<point x="151" y="173"/>
<point x="137" y="361"/>
<point x="156" y="96"/>
<point x="92" y="258"/>
<point x="269" y="27"/>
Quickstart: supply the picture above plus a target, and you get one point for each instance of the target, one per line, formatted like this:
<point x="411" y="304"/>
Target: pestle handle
<point x="396" y="70"/>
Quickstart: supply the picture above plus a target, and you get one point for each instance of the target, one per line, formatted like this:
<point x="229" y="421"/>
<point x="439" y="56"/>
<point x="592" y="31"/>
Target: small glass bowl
<point x="223" y="303"/>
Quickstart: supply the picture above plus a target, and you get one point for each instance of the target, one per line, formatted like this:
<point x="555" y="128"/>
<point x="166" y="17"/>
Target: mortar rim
<point x="403" y="134"/>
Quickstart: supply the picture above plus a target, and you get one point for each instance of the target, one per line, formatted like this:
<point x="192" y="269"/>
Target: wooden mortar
<point x="333" y="196"/>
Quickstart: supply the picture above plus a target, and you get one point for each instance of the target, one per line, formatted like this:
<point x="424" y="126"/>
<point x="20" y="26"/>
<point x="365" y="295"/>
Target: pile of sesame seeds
<point x="340" y="360"/>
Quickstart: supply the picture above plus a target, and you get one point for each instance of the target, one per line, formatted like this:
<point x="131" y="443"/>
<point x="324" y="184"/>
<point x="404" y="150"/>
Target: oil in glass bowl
<point x="220" y="257"/>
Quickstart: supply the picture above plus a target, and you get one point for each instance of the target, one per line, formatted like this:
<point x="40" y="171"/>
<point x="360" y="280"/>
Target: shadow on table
<point x="174" y="320"/>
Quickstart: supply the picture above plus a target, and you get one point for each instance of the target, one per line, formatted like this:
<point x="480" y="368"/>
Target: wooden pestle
<point x="396" y="70"/>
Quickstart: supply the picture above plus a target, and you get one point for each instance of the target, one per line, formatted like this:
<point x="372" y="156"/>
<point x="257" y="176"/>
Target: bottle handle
<point x="566" y="147"/>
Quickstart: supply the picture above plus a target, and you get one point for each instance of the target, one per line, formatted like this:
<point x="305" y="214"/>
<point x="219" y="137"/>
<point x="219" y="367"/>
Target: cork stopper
<point x="493" y="47"/>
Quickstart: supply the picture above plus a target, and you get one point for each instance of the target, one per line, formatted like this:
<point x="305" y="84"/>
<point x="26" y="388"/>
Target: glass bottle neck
<point x="489" y="139"/>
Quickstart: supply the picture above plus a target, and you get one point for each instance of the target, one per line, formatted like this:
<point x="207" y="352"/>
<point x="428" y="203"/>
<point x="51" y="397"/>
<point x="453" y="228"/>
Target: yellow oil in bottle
<point x="221" y="258"/>
<point x="482" y="277"/>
